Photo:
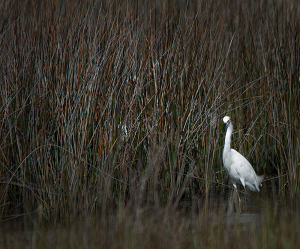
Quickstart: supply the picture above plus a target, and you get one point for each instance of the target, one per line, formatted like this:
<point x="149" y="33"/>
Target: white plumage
<point x="238" y="168"/>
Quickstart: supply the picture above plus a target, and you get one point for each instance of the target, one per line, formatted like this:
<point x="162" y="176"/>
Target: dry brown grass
<point x="110" y="105"/>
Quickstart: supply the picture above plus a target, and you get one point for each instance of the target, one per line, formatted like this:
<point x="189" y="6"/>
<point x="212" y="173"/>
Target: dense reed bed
<point x="109" y="106"/>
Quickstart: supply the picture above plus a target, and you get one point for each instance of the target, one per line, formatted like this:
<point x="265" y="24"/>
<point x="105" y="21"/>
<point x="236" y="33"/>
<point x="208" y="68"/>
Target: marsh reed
<point x="108" y="106"/>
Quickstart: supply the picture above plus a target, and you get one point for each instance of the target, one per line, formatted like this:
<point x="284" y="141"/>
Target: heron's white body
<point x="238" y="168"/>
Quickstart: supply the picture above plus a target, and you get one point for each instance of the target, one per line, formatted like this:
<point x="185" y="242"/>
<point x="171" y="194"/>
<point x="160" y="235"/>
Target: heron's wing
<point x="243" y="167"/>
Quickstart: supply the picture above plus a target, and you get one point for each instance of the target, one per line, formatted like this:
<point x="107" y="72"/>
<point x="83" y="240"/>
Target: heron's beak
<point x="224" y="127"/>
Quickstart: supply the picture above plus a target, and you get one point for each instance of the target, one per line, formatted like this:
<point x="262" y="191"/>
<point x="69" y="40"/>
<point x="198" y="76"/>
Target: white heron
<point x="238" y="168"/>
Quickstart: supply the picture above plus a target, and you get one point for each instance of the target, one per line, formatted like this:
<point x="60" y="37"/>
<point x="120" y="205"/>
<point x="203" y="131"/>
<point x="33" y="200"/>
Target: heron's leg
<point x="234" y="185"/>
<point x="243" y="183"/>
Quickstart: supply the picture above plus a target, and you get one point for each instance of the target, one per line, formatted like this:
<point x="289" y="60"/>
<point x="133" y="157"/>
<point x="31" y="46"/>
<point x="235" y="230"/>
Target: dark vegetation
<point x="110" y="115"/>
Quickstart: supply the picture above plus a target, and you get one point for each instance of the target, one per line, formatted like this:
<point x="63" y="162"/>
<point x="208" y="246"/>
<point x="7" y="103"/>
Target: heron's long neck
<point x="228" y="137"/>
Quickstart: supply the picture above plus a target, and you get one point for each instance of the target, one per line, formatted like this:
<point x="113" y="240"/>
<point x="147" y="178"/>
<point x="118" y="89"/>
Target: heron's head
<point x="226" y="121"/>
